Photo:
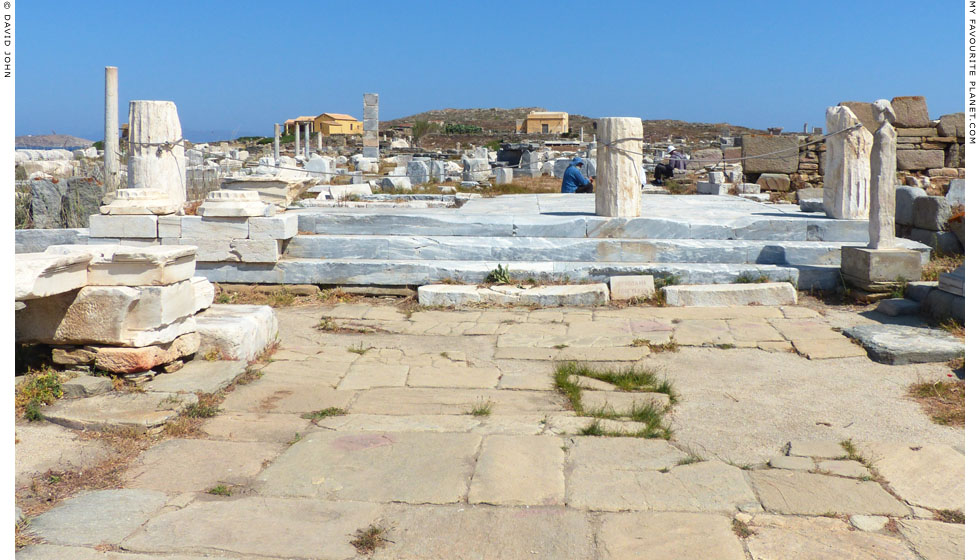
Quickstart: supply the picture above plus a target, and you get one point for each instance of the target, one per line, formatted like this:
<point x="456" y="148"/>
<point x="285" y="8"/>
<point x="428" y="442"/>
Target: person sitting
<point x="677" y="159"/>
<point x="573" y="181"/>
<point x="661" y="172"/>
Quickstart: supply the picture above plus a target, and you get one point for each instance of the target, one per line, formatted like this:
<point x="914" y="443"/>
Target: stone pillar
<point x="111" y="138"/>
<point x="156" y="149"/>
<point x="619" y="167"/>
<point x="848" y="169"/>
<point x="882" y="221"/>
<point x="371" y="125"/>
<point x="319" y="141"/>
<point x="275" y="145"/>
<point x="306" y="138"/>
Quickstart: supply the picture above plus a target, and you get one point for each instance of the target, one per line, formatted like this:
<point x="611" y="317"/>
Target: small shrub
<point x="482" y="408"/>
<point x="323" y="413"/>
<point x="201" y="410"/>
<point x="499" y="275"/>
<point x="220" y="490"/>
<point x="369" y="539"/>
<point x="951" y="516"/>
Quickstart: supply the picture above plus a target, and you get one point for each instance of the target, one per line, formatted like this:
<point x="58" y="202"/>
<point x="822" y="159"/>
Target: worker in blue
<point x="573" y="181"/>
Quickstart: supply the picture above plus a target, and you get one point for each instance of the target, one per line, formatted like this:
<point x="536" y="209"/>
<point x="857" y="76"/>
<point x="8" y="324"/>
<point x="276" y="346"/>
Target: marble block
<point x="236" y="250"/>
<point x="879" y="270"/>
<point x="203" y="293"/>
<point x="283" y="226"/>
<point x="126" y="265"/>
<point x="205" y="229"/>
<point x="629" y="287"/>
<point x="116" y="226"/>
<point x="234" y="203"/>
<point x="141" y="201"/>
<point x="38" y="275"/>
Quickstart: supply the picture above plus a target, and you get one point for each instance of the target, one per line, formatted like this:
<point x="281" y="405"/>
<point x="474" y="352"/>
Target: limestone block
<point x="235" y="250"/>
<point x="38" y="275"/>
<point x="203" y="293"/>
<point x="911" y="112"/>
<point x="917" y="160"/>
<point x="748" y="188"/>
<point x="475" y="169"/>
<point x="437" y="171"/>
<point x="145" y="358"/>
<point x="916" y="134"/>
<point x="197" y="228"/>
<point x="280" y="191"/>
<point x="619" y="167"/>
<point x="144" y="226"/>
<point x="504" y="175"/>
<point x="117" y="315"/>
<point x="717" y="295"/>
<point x="862" y="110"/>
<point x="168" y="226"/>
<point x="237" y="332"/>
<point x="136" y="201"/>
<point x="234" y="203"/>
<point x="899" y="345"/>
<point x="956" y="195"/>
<point x="394" y="184"/>
<point x="418" y="172"/>
<point x="705" y="158"/>
<point x="848" y="177"/>
<point x="716" y="177"/>
<point x="443" y="295"/>
<point x="811" y="205"/>
<point x="86" y="386"/>
<point x="878" y="270"/>
<point x="713" y="188"/>
<point x="774" y="182"/>
<point x="953" y="125"/>
<point x="630" y="287"/>
<point x="125" y="265"/>
<point x="785" y="161"/>
<point x="931" y="213"/>
<point x="283" y="226"/>
<point x="156" y="152"/>
<point x="904" y="204"/>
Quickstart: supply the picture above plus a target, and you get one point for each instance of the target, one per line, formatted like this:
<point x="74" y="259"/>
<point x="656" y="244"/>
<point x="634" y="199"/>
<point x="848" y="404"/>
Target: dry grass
<point x="943" y="401"/>
<point x="950" y="516"/>
<point x="741" y="530"/>
<point x="369" y="539"/>
<point x="940" y="263"/>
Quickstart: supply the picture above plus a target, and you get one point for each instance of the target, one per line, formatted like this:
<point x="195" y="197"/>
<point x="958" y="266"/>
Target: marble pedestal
<point x="879" y="270"/>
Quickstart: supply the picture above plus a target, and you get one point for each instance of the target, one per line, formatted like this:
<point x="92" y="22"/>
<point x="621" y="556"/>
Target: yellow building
<point x="328" y="123"/>
<point x="544" y="122"/>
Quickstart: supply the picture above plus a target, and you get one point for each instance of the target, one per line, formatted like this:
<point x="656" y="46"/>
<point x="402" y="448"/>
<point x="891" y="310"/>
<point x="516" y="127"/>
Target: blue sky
<point x="234" y="68"/>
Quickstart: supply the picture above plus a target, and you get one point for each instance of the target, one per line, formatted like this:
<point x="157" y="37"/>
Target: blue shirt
<point x="572" y="179"/>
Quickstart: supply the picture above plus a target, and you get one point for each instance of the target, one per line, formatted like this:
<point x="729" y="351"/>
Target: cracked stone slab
<point x="898" y="344"/>
<point x="819" y="538"/>
<point x="800" y="493"/>
<point x="643" y="535"/>
<point x="413" y="467"/>
<point x="453" y="376"/>
<point x="196" y="465"/>
<point x="519" y="470"/>
<point x="58" y="552"/>
<point x="934" y="540"/>
<point x="141" y="411"/>
<point x="263" y="526"/>
<point x="250" y="426"/>
<point x="621" y="403"/>
<point x="455" y="401"/>
<point x="105" y="516"/>
<point x="932" y="476"/>
<point x="42" y="446"/>
<point x="198" y="376"/>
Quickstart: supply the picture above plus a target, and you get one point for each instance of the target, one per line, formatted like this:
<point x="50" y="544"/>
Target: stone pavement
<point x="755" y="468"/>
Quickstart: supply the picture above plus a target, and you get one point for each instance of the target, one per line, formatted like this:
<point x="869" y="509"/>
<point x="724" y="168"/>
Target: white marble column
<point x="111" y="138"/>
<point x="275" y="145"/>
<point x="319" y="141"/>
<point x="619" y="167"/>
<point x="156" y="149"/>
<point x="847" y="179"/>
<point x="883" y="153"/>
<point x="306" y="138"/>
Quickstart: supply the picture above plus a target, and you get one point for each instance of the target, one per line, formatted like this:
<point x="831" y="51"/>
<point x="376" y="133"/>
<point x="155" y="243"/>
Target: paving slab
<point x="819" y="538"/>
<point x="932" y="476"/>
<point x="261" y="525"/>
<point x="140" y="411"/>
<point x="413" y="467"/>
<point x="828" y="449"/>
<point x="622" y="454"/>
<point x="58" y="552"/>
<point x="370" y="376"/>
<point x="799" y="493"/>
<point x="40" y="447"/>
<point x="850" y="469"/>
<point x="828" y="348"/>
<point x="196" y="465"/>
<point x="486" y="533"/>
<point x="271" y="395"/>
<point x="86" y="386"/>
<point x="519" y="471"/>
<point x="386" y="423"/>
<point x="198" y="376"/>
<point x="934" y="540"/>
<point x="696" y="332"/>
<point x="453" y="376"/>
<point x="104" y="516"/>
<point x="897" y="344"/>
<point x="252" y="426"/>
<point x="791" y="463"/>
<point x="455" y="401"/>
<point x="621" y="403"/>
<point x="639" y="536"/>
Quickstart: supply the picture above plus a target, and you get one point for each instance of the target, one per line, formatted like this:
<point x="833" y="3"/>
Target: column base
<point x="879" y="270"/>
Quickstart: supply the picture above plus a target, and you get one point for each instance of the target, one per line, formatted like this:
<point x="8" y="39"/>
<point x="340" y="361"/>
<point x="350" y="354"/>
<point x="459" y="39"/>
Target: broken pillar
<point x="111" y="137"/>
<point x="847" y="180"/>
<point x="306" y="138"/>
<point x="156" y="149"/>
<point x="371" y="125"/>
<point x="275" y="144"/>
<point x="619" y="167"/>
<point x="319" y="141"/>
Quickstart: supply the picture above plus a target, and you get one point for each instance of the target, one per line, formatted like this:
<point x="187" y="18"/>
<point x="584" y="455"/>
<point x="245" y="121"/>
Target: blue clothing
<point x="572" y="179"/>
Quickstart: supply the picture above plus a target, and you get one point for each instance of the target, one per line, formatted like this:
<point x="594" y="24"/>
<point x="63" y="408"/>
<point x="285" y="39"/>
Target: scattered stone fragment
<point x="791" y="463"/>
<point x="870" y="523"/>
<point x="897" y="306"/>
<point x="141" y="411"/>
<point x="86" y="386"/>
<point x="897" y="344"/>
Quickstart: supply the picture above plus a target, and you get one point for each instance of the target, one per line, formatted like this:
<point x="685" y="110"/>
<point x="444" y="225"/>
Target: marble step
<point x="776" y="227"/>
<point x="382" y="272"/>
<point x="534" y="249"/>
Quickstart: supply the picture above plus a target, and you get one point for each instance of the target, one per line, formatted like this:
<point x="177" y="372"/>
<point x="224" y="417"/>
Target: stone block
<point x="97" y="518"/>
<point x="145" y="358"/>
<point x="902" y="133"/>
<point x="45" y="202"/>
<point x="448" y="295"/>
<point x="931" y="213"/>
<point x="631" y="287"/>
<point x="713" y="188"/>
<point x="942" y="305"/>
<point x="862" y="110"/>
<point x="141" y="226"/>
<point x="811" y="205"/>
<point x="140" y="201"/>
<point x="706" y="157"/>
<point x="199" y="376"/>
<point x="953" y="282"/>
<point x="203" y="293"/>
<point x="38" y="275"/>
<point x="944" y="241"/>
<point x="911" y="112"/>
<point x="235" y="250"/>
<point x="390" y="184"/>
<point x="503" y="175"/>
<point x="716" y="176"/>
<point x="748" y="188"/>
<point x="719" y="295"/>
<point x="953" y="125"/>
<point x="878" y="270"/>
<point x="124" y="265"/>
<point x="785" y="161"/>
<point x="905" y="202"/>
<point x="284" y="226"/>
<point x="896" y="307"/>
<point x="898" y="344"/>
<point x="168" y="226"/>
<point x="237" y="332"/>
<point x="956" y="195"/>
<point x="117" y="315"/>
<point x="86" y="386"/>
<point x="138" y="411"/>
<point x="194" y="228"/>
<point x="774" y="182"/>
<point x="917" y="160"/>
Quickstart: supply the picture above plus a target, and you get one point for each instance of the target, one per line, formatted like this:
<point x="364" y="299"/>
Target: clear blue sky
<point x="235" y="68"/>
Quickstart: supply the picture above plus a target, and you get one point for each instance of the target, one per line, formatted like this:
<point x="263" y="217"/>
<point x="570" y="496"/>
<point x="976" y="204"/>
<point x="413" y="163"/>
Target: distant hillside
<point x="501" y="121"/>
<point x="51" y="141"/>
